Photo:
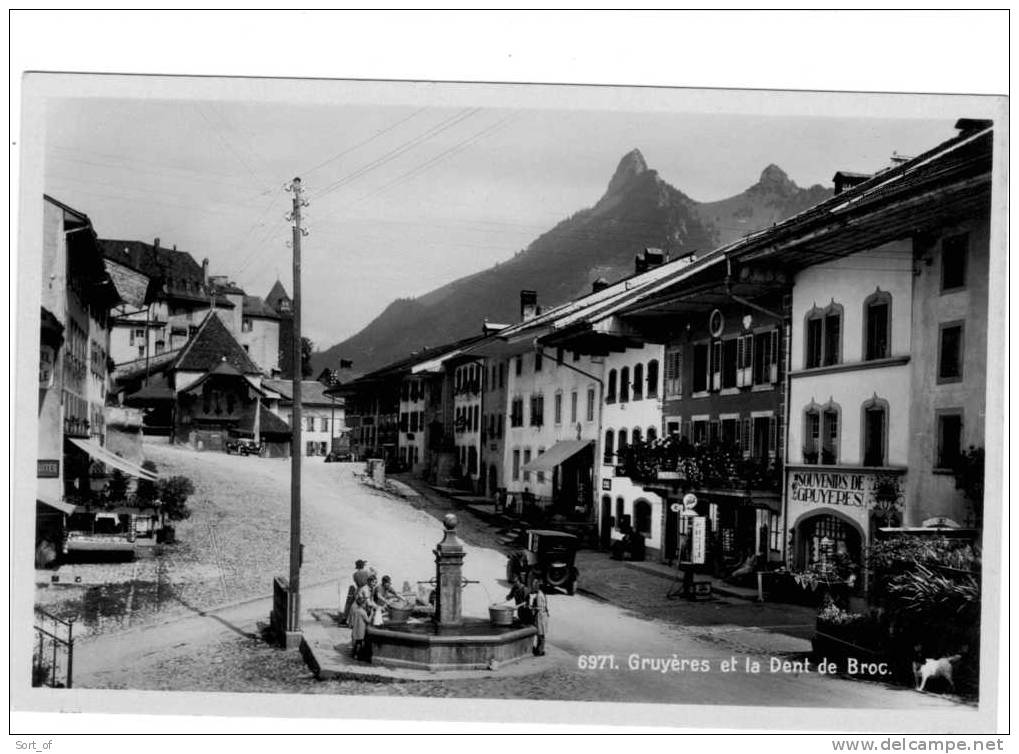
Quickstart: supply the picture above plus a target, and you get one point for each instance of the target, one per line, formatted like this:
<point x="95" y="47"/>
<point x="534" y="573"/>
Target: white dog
<point x="931" y="668"/>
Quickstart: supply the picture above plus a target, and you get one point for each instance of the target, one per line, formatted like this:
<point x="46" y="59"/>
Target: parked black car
<point x="550" y="556"/>
<point x="244" y="447"/>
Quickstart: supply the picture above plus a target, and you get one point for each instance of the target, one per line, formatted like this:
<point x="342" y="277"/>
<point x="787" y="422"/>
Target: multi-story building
<point x="468" y="378"/>
<point x="322" y="415"/>
<point x="415" y="398"/>
<point x="260" y="334"/>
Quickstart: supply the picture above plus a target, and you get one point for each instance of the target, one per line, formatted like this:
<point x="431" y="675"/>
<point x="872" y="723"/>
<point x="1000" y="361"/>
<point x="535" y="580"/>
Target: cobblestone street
<point x="162" y="631"/>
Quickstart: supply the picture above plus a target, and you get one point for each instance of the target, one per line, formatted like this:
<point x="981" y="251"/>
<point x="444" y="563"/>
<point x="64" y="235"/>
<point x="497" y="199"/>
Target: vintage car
<point x="243" y="447"/>
<point x="549" y="555"/>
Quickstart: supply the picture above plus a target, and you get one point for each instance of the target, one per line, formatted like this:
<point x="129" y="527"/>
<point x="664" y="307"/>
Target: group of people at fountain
<point x="532" y="608"/>
<point x="369" y="601"/>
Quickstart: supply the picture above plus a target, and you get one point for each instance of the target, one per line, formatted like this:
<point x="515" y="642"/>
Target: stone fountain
<point x="449" y="641"/>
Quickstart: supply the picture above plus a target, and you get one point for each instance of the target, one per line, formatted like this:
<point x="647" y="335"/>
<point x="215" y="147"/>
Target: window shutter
<point x="774" y="355"/>
<point x="740" y="381"/>
<point x="748" y="437"/>
<point x="772" y="433"/>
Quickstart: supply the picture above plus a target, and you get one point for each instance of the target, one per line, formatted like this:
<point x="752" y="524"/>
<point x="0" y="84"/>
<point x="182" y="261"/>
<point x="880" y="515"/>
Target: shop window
<point x="875" y="432"/>
<point x="609" y="443"/>
<point x="642" y="517"/>
<point x="638" y="382"/>
<point x="573" y="407"/>
<point x="730" y="350"/>
<point x="610" y="393"/>
<point x="558" y="408"/>
<point x="652" y="378"/>
<point x="700" y="368"/>
<point x="590" y="404"/>
<point x="624" y="384"/>
<point x="950" y="353"/>
<point x="954" y="251"/>
<point x="516" y="465"/>
<point x="673" y="374"/>
<point x="877" y="326"/>
<point x="949" y="440"/>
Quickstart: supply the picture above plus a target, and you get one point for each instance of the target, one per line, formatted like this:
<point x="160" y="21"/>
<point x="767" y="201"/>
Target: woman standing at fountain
<point x="358" y="627"/>
<point x="539" y="612"/>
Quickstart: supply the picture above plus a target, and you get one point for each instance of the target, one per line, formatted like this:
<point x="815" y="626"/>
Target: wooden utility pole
<point x="294" y="603"/>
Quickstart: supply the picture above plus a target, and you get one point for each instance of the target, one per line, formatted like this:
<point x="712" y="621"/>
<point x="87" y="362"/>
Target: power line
<point x="365" y="141"/>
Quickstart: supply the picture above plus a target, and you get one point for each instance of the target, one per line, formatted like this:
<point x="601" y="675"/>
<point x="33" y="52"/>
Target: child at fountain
<point x="519" y="597"/>
<point x="358" y="627"/>
<point x="539" y="613"/>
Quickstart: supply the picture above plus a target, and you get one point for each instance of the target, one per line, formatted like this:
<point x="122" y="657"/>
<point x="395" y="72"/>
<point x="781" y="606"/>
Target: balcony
<point x="702" y="466"/>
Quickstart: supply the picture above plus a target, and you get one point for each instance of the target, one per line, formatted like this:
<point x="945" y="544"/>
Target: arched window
<point x="822" y="427"/>
<point x="652" y="378"/>
<point x="652" y="434"/>
<point x="624" y="384"/>
<point x="877" y="326"/>
<point x="874" y="436"/>
<point x="620" y="517"/>
<point x="609" y="442"/>
<point x="610" y="391"/>
<point x="642" y="517"/>
<point x="621" y="446"/>
<point x="638" y="382"/>
<point x="635" y="437"/>
<point x="823" y="333"/>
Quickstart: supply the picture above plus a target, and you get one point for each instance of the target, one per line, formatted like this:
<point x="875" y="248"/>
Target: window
<point x="472" y="460"/>
<point x="716" y="365"/>
<point x="652" y="378"/>
<point x="537" y="410"/>
<point x="609" y="442"/>
<point x="573" y="407"/>
<point x="774" y="532"/>
<point x="576" y="355"/>
<point x="558" y="408"/>
<point x="477" y="417"/>
<point x="642" y="517"/>
<point x="811" y="435"/>
<point x="621" y="443"/>
<point x="540" y="475"/>
<point x="949" y="440"/>
<point x="875" y="430"/>
<point x="245" y="325"/>
<point x="309" y="448"/>
<point x="519" y="365"/>
<point x="413" y="421"/>
<point x="537" y="361"/>
<point x="311" y="423"/>
<point x="729" y="428"/>
<point x="620" y="507"/>
<point x="638" y="382"/>
<point x="824" y="337"/>
<point x="502" y="375"/>
<point x="700" y="431"/>
<point x="590" y="404"/>
<point x="950" y="353"/>
<point x="141" y="351"/>
<point x="160" y="346"/>
<point x="610" y="393"/>
<point x="527" y="460"/>
<point x="954" y="250"/>
<point x="672" y="428"/>
<point x="516" y="465"/>
<point x="765" y="357"/>
<point x="635" y="437"/>
<point x="730" y="349"/>
<point x="673" y="374"/>
<point x="830" y="436"/>
<point x="498" y="425"/>
<point x="763" y="440"/>
<point x="877" y="326"/>
<point x="624" y="384"/>
<point x="700" y="367"/>
<point x="325" y="425"/>
<point x="652" y="434"/>
<point x="559" y="356"/>
<point x="517" y="412"/>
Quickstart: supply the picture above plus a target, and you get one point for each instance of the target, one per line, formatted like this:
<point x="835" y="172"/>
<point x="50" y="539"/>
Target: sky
<point x="408" y="193"/>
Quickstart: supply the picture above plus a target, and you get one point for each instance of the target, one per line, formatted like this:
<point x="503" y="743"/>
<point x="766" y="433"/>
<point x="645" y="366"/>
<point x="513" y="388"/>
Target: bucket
<point x="501" y="615"/>
<point x="399" y="614"/>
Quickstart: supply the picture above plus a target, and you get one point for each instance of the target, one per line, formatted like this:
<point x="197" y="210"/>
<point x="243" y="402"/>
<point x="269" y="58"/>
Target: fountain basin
<point x="473" y="644"/>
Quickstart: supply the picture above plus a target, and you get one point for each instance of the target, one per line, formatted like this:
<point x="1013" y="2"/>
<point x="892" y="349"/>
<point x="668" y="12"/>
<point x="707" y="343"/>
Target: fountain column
<point x="449" y="556"/>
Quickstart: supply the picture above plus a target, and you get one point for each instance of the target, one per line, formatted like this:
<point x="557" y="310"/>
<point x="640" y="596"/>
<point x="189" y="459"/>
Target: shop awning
<point x="99" y="453"/>
<point x="66" y="508"/>
<point x="555" y="455"/>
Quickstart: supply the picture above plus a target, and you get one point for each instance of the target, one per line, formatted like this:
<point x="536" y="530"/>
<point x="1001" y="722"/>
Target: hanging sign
<point x="48" y="468"/>
<point x="699" y="539"/>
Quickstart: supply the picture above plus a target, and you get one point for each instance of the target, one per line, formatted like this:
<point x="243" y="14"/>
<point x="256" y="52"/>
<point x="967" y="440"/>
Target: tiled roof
<point x="254" y="306"/>
<point x="212" y="345"/>
<point x="131" y="284"/>
<point x="269" y="423"/>
<point x="277" y="293"/>
<point x="312" y="392"/>
<point x="178" y="269"/>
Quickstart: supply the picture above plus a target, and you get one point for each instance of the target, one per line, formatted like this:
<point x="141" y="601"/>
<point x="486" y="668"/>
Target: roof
<point x="157" y="390"/>
<point x="177" y="269"/>
<point x="127" y="370"/>
<point x="254" y="306"/>
<point x="212" y="345"/>
<point x="312" y="391"/>
<point x="132" y="285"/>
<point x="276" y="294"/>
<point x="269" y="423"/>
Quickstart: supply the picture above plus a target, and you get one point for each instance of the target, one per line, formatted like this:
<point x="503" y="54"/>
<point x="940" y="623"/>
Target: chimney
<point x="528" y="305"/>
<point x="599" y="285"/>
<point x="205" y="271"/>
<point x="654" y="258"/>
<point x="845" y="180"/>
<point x="639" y="264"/>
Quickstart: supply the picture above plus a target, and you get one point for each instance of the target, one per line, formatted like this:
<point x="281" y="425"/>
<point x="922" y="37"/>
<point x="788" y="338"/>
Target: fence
<point x="53" y="651"/>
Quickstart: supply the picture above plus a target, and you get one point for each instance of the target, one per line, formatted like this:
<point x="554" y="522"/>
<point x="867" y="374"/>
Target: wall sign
<point x="850" y="489"/>
<point x="606" y="484"/>
<point x="49" y="468"/>
<point x="699" y="539"/>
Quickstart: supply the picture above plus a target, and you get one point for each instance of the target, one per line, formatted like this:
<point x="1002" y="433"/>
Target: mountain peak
<point x="630" y="167"/>
<point x="773" y="177"/>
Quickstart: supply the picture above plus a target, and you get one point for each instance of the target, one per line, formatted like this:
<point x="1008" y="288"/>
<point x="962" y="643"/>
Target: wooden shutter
<point x="774" y="355"/>
<point x="740" y="380"/>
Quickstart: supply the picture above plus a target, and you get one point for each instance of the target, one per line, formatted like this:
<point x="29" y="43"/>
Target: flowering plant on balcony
<point x="700" y="466"/>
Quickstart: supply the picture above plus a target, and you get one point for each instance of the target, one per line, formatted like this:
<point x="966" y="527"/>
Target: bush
<point x="146" y="493"/>
<point x="174" y="493"/>
<point x="116" y="488"/>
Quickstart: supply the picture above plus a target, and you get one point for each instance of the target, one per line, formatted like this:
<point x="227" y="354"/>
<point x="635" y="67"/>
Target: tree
<point x="174" y="493"/>
<point x="146" y="492"/>
<point x="306" y="348"/>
